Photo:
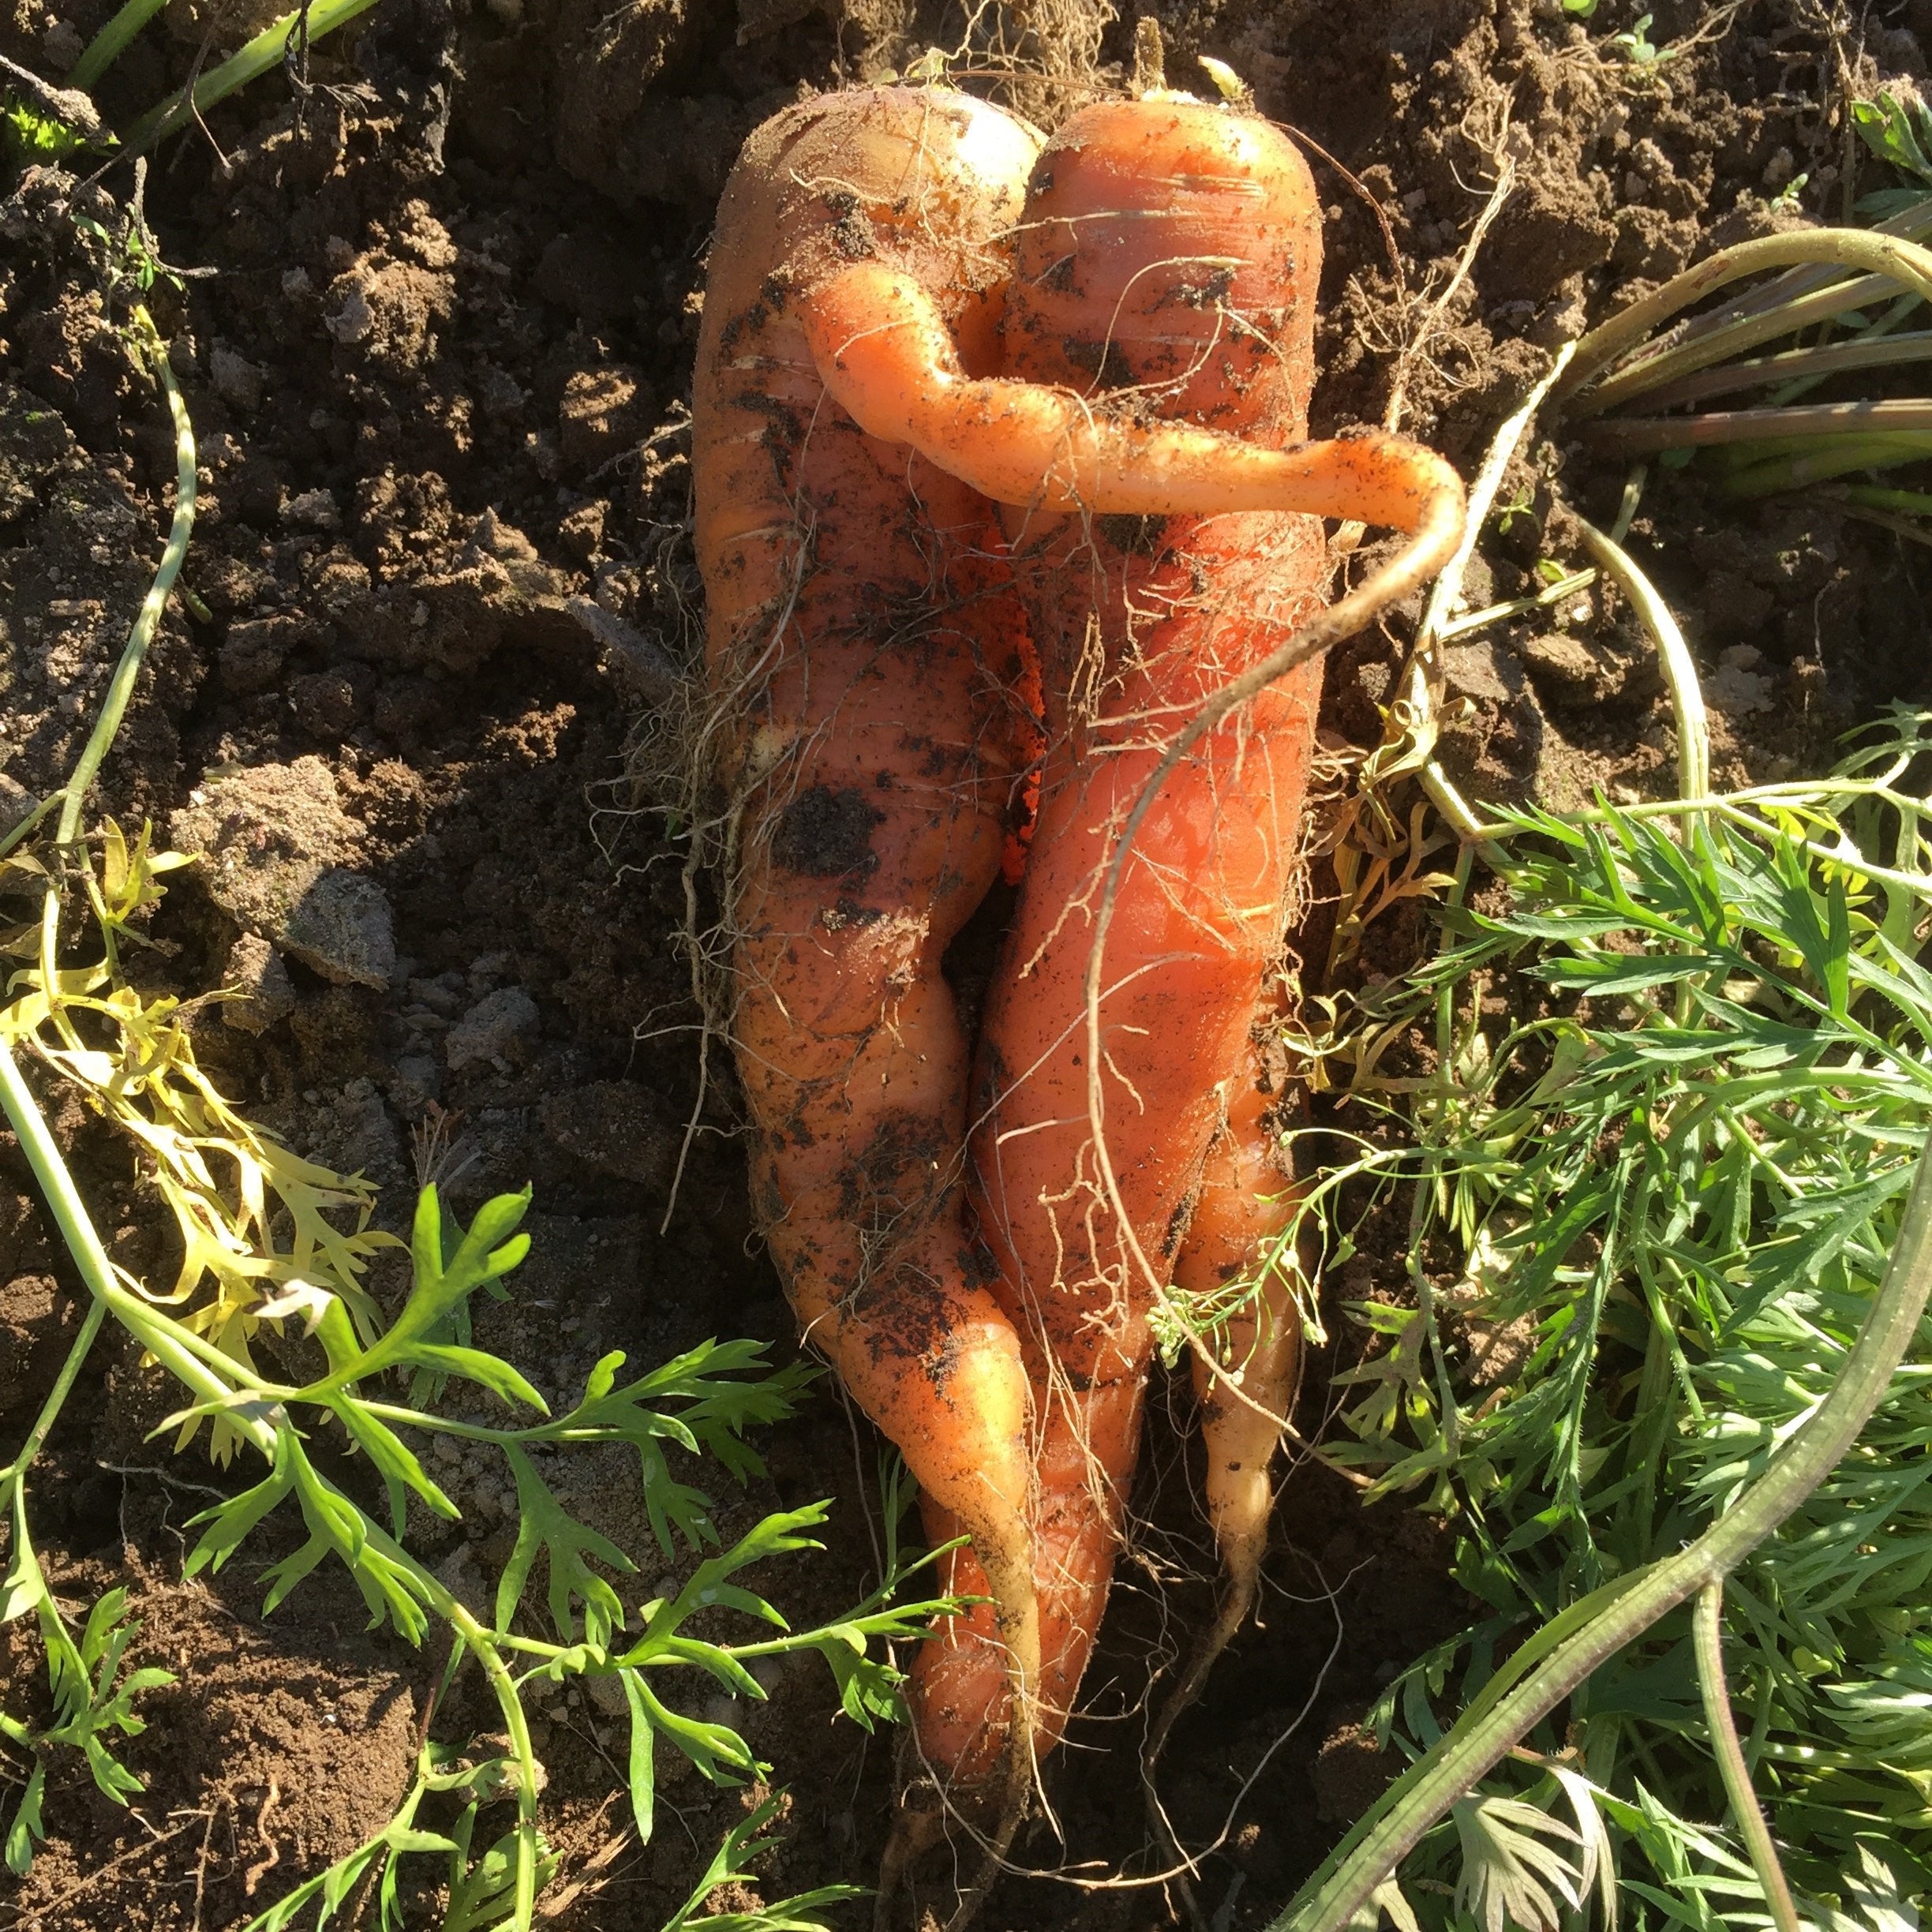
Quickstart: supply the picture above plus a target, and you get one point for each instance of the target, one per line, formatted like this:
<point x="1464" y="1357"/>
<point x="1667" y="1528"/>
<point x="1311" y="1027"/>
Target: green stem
<point x="148" y="618"/>
<point x="57" y="1397"/>
<point x="1910" y="224"/>
<point x="26" y="828"/>
<point x="111" y="42"/>
<point x="161" y="1339"/>
<point x="1639" y="436"/>
<point x="1707" y="1632"/>
<point x="1561" y="1656"/>
<point x="483" y="1643"/>
<point x="1825" y="460"/>
<point x="267" y="50"/>
<point x="1907" y="503"/>
<point x="1829" y="359"/>
<point x="156" y="1334"/>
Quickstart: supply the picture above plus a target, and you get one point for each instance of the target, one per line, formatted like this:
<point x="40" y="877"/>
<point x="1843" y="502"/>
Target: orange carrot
<point x="1168" y="258"/>
<point x="1157" y="355"/>
<point x="861" y="640"/>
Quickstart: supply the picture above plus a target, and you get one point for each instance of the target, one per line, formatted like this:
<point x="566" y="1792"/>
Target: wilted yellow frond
<point x="252" y="1216"/>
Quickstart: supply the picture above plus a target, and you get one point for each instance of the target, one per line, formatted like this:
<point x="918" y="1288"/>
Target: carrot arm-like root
<point x="886" y="354"/>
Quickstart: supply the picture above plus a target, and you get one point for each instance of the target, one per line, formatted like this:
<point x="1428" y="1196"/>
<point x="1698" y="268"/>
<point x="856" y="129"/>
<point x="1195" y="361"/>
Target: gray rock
<point x="1740" y="684"/>
<point x="1567" y="669"/>
<point x="238" y="382"/>
<point x="1483" y="670"/>
<point x="266" y="834"/>
<point x="256" y="972"/>
<point x="498" y="1031"/>
<point x="342" y="926"/>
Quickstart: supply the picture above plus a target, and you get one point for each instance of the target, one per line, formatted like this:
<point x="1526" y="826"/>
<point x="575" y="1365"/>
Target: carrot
<point x="1160" y="310"/>
<point x="863" y="647"/>
<point x="862" y="638"/>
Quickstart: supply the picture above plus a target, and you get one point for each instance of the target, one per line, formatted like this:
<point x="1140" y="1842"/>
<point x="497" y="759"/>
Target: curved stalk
<point x="1707" y="1632"/>
<point x="1679" y="669"/>
<point x="1886" y="260"/>
<point x="268" y="48"/>
<point x="56" y="1401"/>
<point x="148" y="619"/>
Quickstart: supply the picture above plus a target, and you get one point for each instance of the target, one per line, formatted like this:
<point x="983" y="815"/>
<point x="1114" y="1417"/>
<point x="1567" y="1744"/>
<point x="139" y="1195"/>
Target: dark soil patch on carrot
<point x="437" y="380"/>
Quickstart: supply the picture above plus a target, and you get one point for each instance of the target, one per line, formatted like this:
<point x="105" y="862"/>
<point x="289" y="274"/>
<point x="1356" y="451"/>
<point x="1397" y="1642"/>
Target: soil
<point x="441" y="594"/>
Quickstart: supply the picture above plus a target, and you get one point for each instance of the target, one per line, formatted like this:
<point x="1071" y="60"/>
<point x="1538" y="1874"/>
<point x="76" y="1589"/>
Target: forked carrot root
<point x="1246" y="1371"/>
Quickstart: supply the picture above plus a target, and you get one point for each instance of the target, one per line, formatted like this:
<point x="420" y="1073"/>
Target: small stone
<point x="607" y="1693"/>
<point x="498" y="1031"/>
<point x="601" y="415"/>
<point x="267" y="834"/>
<point x="353" y="320"/>
<point x="238" y="382"/>
<point x="458" y="1573"/>
<point x="251" y="656"/>
<point x="314" y="509"/>
<point x="1564" y="666"/>
<point x="1739" y="685"/>
<point x="1479" y="670"/>
<point x="417" y="1081"/>
<point x="16" y="802"/>
<point x="342" y="926"/>
<point x="324" y="703"/>
<point x="62" y="45"/>
<point x="582" y="531"/>
<point x="267" y="993"/>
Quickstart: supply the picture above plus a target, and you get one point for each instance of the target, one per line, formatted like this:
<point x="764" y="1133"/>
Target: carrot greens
<point x="1675" y="1174"/>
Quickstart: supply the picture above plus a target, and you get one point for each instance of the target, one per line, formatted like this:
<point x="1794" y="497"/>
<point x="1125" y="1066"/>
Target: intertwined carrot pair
<point x="964" y="406"/>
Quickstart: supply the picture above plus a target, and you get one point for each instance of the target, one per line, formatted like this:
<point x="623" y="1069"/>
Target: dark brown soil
<point x="436" y="378"/>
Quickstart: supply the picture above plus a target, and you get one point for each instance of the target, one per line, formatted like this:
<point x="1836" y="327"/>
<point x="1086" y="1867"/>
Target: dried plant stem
<point x="147" y="620"/>
<point x="1634" y="436"/>
<point x="1828" y="359"/>
<point x="1679" y="669"/>
<point x="1421" y="679"/>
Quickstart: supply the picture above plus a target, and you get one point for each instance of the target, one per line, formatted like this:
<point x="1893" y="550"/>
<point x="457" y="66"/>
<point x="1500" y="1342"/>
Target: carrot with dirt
<point x="861" y="647"/>
<point x="1159" y="359"/>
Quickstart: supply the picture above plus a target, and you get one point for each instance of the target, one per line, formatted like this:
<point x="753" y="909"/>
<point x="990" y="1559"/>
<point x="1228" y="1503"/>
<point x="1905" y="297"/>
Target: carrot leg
<point x="887" y="355"/>
<point x="875" y="832"/>
<point x="1245" y="1373"/>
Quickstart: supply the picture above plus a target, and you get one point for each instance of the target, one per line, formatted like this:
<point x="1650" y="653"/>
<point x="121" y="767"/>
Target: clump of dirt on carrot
<point x="1145" y="431"/>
